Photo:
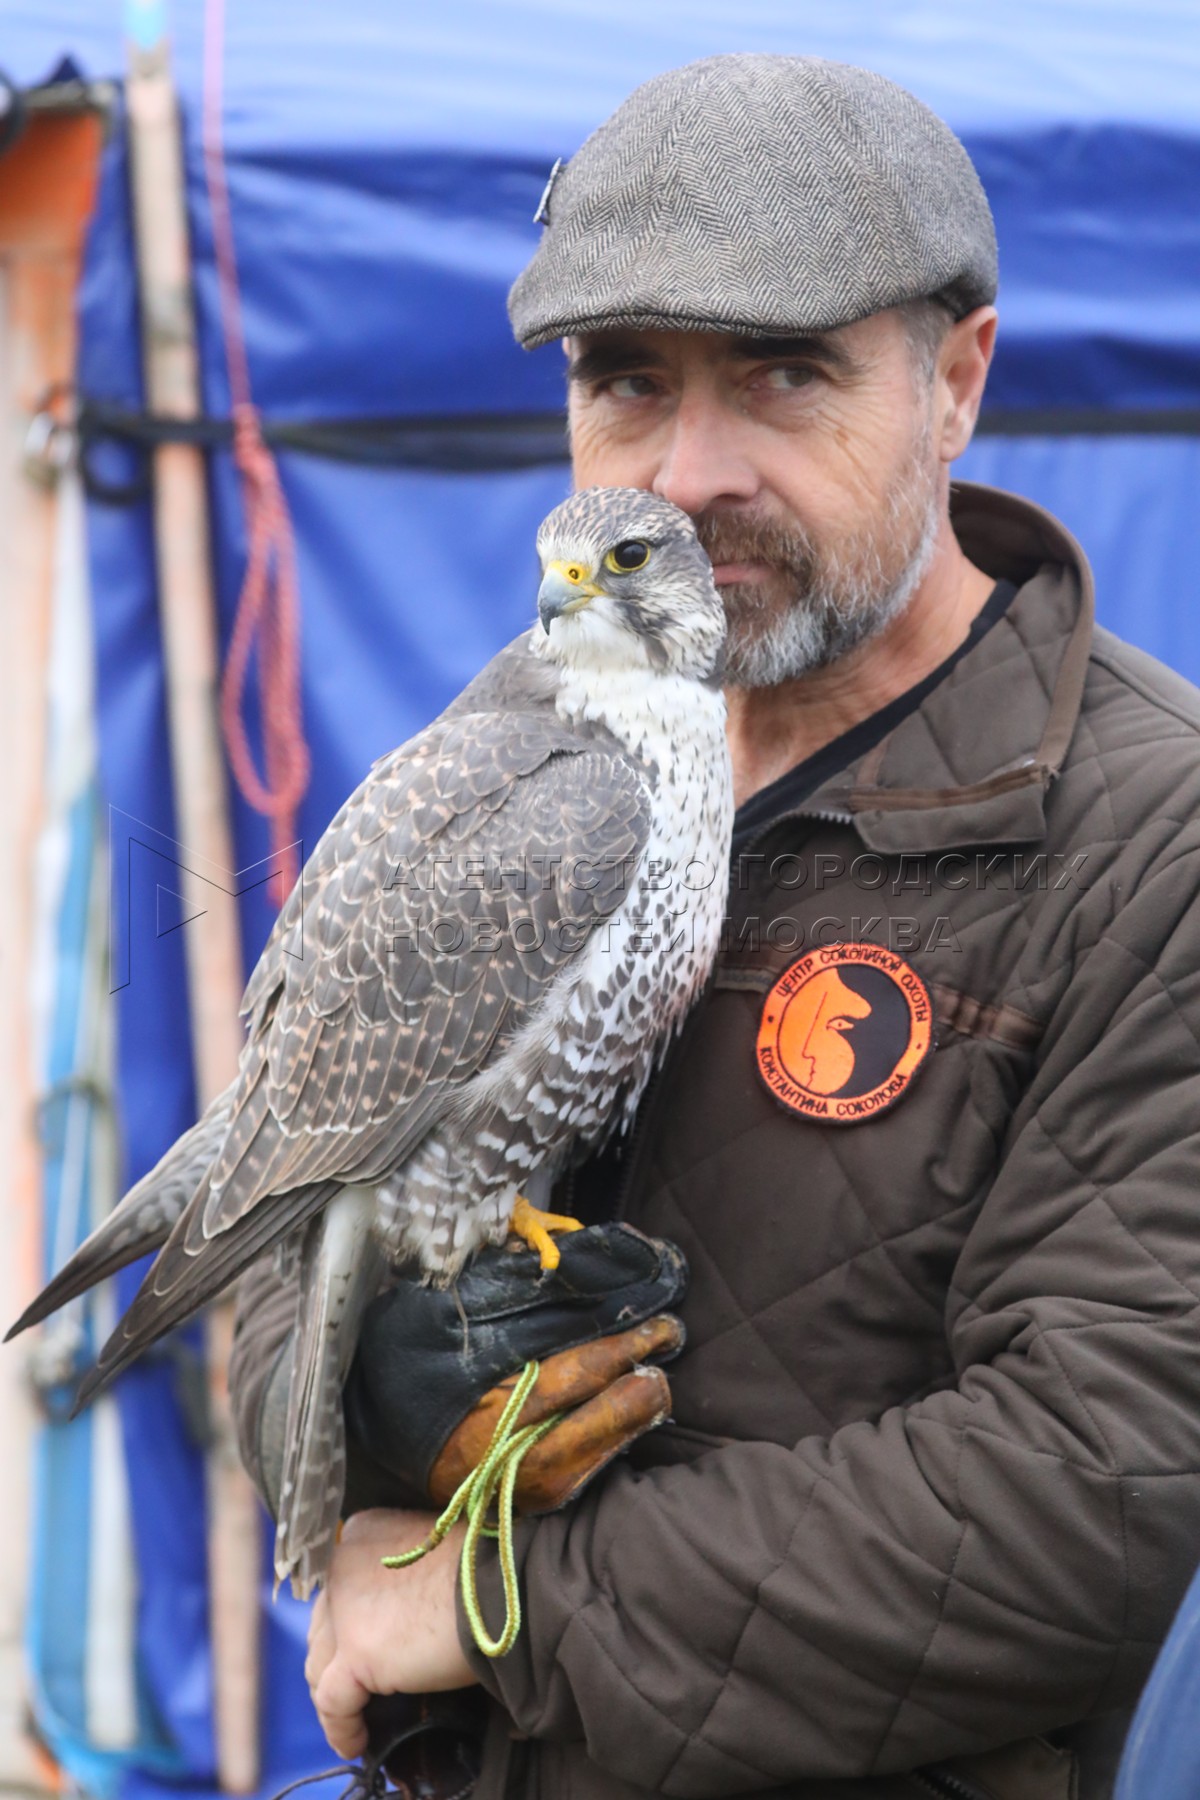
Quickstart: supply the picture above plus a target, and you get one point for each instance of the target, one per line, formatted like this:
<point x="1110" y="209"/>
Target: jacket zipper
<point x="947" y="1785"/>
<point x="798" y="815"/>
<point x="1026" y="774"/>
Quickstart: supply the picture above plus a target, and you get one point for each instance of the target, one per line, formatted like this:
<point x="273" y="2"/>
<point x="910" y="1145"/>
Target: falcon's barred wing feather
<point x="450" y="891"/>
<point x="425" y="946"/>
<point x="314" y="1470"/>
<point x="513" y="682"/>
<point x="164" y="1302"/>
<point x="143" y="1220"/>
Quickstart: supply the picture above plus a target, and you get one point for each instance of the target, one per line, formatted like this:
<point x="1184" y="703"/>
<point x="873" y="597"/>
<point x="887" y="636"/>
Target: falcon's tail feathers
<point x="142" y="1221"/>
<point x="339" y="1273"/>
<point x="181" y="1280"/>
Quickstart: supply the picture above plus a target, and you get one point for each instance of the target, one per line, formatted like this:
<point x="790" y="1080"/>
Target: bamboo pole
<point x="213" y="949"/>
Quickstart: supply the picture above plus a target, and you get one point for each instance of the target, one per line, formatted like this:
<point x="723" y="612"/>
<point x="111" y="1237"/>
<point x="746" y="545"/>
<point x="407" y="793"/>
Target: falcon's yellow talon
<point x="533" y="1227"/>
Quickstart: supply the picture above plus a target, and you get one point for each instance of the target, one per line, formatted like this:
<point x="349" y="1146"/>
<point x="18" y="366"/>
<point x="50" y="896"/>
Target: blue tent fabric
<point x="383" y="170"/>
<point x="1131" y="503"/>
<point x="1162" y="1753"/>
<point x="399" y="162"/>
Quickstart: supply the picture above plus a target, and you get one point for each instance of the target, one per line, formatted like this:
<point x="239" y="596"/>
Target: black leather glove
<point x="434" y="1368"/>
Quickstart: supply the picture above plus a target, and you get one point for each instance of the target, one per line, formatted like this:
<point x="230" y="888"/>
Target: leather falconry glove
<point x="434" y="1368"/>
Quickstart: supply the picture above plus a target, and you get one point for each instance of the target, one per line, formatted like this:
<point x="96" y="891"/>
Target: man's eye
<point x="630" y="387"/>
<point x="788" y="376"/>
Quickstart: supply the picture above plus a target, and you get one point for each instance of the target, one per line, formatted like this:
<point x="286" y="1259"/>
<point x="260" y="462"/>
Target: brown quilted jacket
<point x="932" y="1488"/>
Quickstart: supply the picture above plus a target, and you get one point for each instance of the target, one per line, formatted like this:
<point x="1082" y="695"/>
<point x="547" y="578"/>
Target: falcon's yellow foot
<point x="533" y="1227"/>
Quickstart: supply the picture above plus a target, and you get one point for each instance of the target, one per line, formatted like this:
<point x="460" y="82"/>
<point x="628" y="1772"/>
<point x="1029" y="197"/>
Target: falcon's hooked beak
<point x="566" y="588"/>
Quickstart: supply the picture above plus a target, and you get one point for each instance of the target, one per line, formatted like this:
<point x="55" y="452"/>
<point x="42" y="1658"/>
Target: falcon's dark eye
<point x="624" y="558"/>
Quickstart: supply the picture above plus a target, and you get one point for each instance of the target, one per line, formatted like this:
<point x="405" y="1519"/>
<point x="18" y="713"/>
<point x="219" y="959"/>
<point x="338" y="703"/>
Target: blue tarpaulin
<point x="384" y="164"/>
<point x="1162" y="1753"/>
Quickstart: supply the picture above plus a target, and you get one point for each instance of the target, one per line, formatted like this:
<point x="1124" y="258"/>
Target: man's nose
<point x="704" y="459"/>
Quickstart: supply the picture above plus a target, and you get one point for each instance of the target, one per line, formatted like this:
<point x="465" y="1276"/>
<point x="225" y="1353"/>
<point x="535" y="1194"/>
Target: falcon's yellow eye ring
<point x="624" y="558"/>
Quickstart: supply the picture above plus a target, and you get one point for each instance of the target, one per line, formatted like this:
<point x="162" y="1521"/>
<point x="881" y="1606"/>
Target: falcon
<point x="489" y="949"/>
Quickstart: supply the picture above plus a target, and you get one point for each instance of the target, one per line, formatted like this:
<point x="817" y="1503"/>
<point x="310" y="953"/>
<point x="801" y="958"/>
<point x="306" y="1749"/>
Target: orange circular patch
<point x="843" y="1032"/>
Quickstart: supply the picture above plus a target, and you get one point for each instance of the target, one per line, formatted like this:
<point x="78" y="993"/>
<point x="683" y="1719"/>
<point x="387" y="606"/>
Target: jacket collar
<point x="972" y="765"/>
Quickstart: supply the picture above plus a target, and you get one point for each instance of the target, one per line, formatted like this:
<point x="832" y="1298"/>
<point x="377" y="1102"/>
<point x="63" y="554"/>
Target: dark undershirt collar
<point x="789" y="791"/>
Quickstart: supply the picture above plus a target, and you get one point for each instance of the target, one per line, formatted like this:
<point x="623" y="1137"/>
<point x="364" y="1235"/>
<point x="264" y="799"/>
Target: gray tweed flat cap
<point x="759" y="194"/>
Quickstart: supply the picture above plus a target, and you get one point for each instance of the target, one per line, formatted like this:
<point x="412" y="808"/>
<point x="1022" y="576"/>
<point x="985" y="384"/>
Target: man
<point x="930" y="1492"/>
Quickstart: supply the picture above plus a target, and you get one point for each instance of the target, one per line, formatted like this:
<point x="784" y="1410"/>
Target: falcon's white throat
<point x="660" y="716"/>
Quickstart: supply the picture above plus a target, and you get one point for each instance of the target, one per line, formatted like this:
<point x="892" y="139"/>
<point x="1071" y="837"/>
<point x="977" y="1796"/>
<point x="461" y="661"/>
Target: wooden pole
<point x="213" y="948"/>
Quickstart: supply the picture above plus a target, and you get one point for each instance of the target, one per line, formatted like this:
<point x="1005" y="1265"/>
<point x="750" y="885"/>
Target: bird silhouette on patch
<point x="843" y="1032"/>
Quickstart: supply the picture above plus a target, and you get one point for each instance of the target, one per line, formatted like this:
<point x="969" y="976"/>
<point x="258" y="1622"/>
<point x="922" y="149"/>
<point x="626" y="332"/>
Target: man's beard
<point x="822" y="601"/>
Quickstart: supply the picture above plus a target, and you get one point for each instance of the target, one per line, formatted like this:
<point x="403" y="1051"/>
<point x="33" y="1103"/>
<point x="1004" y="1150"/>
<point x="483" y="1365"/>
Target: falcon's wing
<point x="446" y="896"/>
<point x="470" y="868"/>
<point x="142" y="1221"/>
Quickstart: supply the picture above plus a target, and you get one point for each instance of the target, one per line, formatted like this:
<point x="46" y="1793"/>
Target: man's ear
<point x="962" y="369"/>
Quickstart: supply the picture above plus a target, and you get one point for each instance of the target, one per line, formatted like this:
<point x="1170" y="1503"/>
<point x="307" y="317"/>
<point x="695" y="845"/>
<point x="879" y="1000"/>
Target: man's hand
<point x="608" y="1392"/>
<point x="435" y="1367"/>
<point x="383" y="1631"/>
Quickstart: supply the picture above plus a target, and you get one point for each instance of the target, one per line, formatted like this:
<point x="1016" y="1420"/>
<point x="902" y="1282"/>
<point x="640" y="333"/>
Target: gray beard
<point x="839" y="600"/>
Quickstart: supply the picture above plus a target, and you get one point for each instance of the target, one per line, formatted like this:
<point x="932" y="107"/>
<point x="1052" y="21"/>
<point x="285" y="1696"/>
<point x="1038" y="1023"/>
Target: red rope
<point x="267" y="621"/>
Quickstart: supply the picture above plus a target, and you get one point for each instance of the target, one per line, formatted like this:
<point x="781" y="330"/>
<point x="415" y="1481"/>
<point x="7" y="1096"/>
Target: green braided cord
<point x="494" y="1478"/>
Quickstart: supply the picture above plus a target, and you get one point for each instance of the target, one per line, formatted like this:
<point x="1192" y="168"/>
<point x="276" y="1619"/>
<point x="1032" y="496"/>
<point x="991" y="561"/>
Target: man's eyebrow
<point x="816" y="347"/>
<point x="612" y="358"/>
<point x="617" y="356"/>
